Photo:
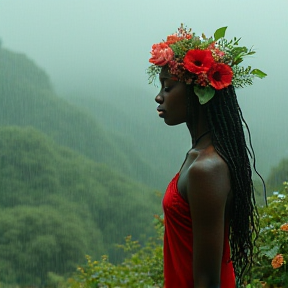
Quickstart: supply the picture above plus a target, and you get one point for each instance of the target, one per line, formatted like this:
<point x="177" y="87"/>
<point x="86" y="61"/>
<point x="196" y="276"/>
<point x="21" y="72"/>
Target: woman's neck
<point x="199" y="131"/>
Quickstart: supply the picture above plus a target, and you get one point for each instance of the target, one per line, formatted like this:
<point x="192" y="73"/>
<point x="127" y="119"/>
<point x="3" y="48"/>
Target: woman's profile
<point x="209" y="207"/>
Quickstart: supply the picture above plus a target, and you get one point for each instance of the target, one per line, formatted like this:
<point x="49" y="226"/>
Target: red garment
<point x="178" y="270"/>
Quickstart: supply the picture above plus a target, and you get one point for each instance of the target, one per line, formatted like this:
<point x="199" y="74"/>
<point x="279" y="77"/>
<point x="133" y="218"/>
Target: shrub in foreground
<point x="143" y="267"/>
<point x="271" y="260"/>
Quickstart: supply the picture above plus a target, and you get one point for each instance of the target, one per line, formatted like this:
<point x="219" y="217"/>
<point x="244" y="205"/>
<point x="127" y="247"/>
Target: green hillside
<point x="148" y="138"/>
<point x="27" y="99"/>
<point x="57" y="206"/>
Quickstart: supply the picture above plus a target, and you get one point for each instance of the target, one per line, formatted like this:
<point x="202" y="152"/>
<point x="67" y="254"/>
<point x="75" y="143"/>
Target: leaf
<point x="219" y="33"/>
<point x="239" y="50"/>
<point x="237" y="61"/>
<point x="271" y="253"/>
<point x="204" y="93"/>
<point x="258" y="73"/>
<point x="236" y="41"/>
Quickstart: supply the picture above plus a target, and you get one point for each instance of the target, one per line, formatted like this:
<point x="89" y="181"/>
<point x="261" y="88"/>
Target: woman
<point x="209" y="205"/>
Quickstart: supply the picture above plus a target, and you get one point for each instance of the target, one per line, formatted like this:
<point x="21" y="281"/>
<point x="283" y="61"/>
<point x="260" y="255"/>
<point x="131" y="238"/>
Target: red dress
<point x="178" y="270"/>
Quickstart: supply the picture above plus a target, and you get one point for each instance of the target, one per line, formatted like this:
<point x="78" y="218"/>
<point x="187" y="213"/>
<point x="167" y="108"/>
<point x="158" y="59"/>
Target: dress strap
<point x="184" y="160"/>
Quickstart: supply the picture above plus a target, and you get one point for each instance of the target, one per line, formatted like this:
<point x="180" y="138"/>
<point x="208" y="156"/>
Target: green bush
<point x="143" y="267"/>
<point x="56" y="206"/>
<point x="272" y="256"/>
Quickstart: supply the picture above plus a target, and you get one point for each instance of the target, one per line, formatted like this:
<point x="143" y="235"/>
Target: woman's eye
<point x="166" y="89"/>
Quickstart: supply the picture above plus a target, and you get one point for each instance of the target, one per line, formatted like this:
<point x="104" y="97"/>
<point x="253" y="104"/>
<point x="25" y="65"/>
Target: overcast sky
<point x="104" y="43"/>
<point x="112" y="38"/>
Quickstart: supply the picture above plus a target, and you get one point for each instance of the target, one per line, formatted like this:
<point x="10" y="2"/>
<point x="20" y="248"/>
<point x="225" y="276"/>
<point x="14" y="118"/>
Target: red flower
<point x="171" y="39"/>
<point x="198" y="61"/>
<point x="161" y="54"/>
<point x="220" y="76"/>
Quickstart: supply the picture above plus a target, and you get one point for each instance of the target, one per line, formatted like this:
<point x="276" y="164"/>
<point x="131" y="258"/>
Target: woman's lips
<point x="160" y="112"/>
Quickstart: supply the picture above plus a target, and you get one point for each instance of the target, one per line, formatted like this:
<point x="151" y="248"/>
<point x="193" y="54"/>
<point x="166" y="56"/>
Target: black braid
<point x="225" y="120"/>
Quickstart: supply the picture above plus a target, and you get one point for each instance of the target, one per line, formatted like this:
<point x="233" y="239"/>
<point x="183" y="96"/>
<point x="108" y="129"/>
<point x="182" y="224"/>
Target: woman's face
<point x="172" y="99"/>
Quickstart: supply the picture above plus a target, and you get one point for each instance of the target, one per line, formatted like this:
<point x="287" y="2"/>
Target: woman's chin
<point x="170" y="122"/>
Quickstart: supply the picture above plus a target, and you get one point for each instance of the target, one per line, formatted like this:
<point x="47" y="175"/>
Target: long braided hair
<point x="225" y="121"/>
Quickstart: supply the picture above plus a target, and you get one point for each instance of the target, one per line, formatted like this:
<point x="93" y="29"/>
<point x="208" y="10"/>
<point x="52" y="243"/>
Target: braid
<point x="225" y="120"/>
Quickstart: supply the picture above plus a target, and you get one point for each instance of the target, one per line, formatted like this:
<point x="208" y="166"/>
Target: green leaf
<point x="204" y="93"/>
<point x="219" y="33"/>
<point x="258" y="73"/>
<point x="272" y="252"/>
<point x="237" y="61"/>
<point x="239" y="50"/>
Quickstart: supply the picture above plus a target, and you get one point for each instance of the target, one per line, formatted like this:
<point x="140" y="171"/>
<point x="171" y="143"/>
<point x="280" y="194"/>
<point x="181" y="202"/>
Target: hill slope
<point x="27" y="99"/>
<point x="57" y="206"/>
<point x="160" y="146"/>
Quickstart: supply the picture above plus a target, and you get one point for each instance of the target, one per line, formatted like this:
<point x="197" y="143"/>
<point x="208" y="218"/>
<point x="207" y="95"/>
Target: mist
<point x="89" y="137"/>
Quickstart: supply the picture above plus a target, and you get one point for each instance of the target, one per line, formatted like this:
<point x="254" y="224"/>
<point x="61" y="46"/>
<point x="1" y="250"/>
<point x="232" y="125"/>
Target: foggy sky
<point x="106" y="44"/>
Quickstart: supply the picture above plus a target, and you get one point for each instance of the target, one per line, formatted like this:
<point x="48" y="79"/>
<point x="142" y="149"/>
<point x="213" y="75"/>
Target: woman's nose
<point x="159" y="99"/>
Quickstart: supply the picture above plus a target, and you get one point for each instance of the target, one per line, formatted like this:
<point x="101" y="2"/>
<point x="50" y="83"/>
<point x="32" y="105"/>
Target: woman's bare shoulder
<point x="209" y="175"/>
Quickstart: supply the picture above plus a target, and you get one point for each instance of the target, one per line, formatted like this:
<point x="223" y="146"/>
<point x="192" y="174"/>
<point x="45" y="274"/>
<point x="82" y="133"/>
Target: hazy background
<point x="84" y="173"/>
<point x="102" y="47"/>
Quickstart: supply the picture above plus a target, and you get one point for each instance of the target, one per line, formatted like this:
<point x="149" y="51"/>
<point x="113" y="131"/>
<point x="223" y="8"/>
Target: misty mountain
<point x="28" y="99"/>
<point x="146" y="137"/>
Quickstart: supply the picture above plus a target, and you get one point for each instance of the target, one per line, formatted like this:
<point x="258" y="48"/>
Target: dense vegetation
<point x="272" y="258"/>
<point x="57" y="206"/>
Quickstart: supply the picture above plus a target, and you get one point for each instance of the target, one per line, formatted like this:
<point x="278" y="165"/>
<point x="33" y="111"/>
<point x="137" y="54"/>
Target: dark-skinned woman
<point x="209" y="206"/>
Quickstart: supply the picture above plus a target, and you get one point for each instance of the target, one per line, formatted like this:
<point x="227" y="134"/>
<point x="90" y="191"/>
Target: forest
<point x="66" y="190"/>
<point x="71" y="186"/>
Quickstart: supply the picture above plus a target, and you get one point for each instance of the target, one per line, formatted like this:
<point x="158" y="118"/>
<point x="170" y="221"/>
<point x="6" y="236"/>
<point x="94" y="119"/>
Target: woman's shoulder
<point x="209" y="173"/>
<point x="208" y="161"/>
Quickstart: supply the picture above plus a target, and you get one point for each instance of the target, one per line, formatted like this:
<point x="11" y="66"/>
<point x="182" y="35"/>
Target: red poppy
<point x="220" y="76"/>
<point x="197" y="61"/>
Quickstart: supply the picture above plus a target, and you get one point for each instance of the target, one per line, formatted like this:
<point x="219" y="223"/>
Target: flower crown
<point x="210" y="63"/>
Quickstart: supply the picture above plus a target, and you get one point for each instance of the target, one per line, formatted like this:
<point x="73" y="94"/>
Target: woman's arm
<point x="208" y="188"/>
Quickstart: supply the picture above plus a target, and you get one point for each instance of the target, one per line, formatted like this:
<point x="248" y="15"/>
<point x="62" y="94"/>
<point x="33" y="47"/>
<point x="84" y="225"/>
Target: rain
<point x="85" y="158"/>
